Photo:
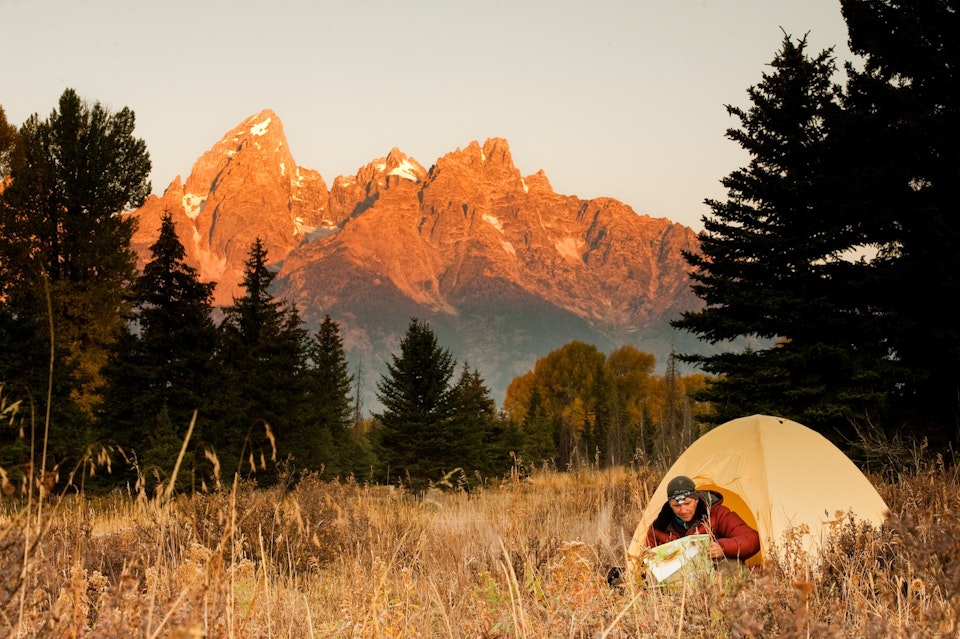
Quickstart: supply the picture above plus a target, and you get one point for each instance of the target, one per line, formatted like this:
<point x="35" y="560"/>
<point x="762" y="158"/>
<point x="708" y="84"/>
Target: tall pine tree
<point x="9" y="144"/>
<point x="263" y="363"/>
<point x="540" y="430"/>
<point x="162" y="372"/>
<point x="770" y="260"/>
<point x="65" y="259"/>
<point x="326" y="439"/>
<point x="903" y="128"/>
<point x="415" y="441"/>
<point x="486" y="438"/>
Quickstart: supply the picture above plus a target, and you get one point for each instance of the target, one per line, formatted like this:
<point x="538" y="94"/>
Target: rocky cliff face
<point x="504" y="269"/>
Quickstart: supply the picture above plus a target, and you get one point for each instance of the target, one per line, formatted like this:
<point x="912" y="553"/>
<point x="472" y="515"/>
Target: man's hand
<point x="715" y="551"/>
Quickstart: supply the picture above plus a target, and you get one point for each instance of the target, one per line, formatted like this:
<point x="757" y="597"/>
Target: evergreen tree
<point x="263" y="363"/>
<point x="9" y="145"/>
<point x="163" y="369"/>
<point x="326" y="438"/>
<point x="903" y="147"/>
<point x="485" y="439"/>
<point x="177" y="332"/>
<point x="540" y="432"/>
<point x="770" y="259"/>
<point x="415" y="441"/>
<point x="65" y="259"/>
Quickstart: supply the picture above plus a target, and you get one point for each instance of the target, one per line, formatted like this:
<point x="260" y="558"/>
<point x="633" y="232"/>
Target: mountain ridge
<point x="503" y="268"/>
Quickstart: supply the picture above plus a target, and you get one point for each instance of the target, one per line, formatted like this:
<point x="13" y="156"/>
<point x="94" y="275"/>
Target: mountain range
<point x="504" y="269"/>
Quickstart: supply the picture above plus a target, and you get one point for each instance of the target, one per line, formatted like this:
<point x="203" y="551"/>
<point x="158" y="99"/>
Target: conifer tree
<point x="839" y="241"/>
<point x="263" y="363"/>
<point x="161" y="372"/>
<point x="540" y="432"/>
<point x="9" y="144"/>
<point x="415" y="438"/>
<point x="902" y="122"/>
<point x="326" y="438"/>
<point x="771" y="256"/>
<point x="65" y="259"/>
<point x="484" y="438"/>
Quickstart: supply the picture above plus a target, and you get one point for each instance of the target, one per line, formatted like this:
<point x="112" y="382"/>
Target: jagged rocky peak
<point x="260" y="133"/>
<point x="247" y="186"/>
<point x="353" y="194"/>
<point x="537" y="183"/>
<point x="264" y="129"/>
<point x="398" y="164"/>
<point x="487" y="167"/>
<point x="497" y="150"/>
<point x="379" y="173"/>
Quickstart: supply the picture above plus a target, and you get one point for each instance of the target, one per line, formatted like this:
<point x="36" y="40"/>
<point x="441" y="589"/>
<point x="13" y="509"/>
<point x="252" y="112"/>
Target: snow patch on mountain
<point x="260" y="128"/>
<point x="193" y="204"/>
<point x="493" y="221"/>
<point x="407" y="170"/>
<point x="299" y="228"/>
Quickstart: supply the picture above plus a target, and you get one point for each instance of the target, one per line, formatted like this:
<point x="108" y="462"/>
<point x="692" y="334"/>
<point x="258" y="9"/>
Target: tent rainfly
<point x="778" y="475"/>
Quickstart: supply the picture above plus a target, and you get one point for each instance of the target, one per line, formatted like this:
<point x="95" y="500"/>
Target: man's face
<point x="684" y="509"/>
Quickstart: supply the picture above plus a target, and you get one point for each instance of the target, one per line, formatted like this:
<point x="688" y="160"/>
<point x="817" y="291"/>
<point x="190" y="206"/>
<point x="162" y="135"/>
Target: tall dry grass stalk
<point x="525" y="559"/>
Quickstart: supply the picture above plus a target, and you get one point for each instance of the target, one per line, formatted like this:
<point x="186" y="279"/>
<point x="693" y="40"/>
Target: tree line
<point x="836" y="245"/>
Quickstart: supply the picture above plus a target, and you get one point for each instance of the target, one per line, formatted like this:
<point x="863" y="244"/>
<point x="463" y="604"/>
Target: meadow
<point x="518" y="558"/>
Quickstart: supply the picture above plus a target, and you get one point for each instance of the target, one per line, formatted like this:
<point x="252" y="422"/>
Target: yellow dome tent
<point x="777" y="475"/>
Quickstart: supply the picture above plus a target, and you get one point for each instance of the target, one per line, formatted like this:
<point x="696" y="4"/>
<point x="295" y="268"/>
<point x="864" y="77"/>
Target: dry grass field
<point x="522" y="559"/>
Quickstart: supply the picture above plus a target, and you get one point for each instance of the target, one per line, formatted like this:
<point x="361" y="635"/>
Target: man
<point x="689" y="511"/>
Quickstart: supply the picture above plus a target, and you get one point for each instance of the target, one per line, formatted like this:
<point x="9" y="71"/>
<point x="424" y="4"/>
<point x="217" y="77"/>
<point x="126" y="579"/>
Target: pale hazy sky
<point x="618" y="98"/>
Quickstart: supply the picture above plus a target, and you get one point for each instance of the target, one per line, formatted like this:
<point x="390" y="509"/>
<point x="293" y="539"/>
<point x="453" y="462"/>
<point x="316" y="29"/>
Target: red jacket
<point x="738" y="540"/>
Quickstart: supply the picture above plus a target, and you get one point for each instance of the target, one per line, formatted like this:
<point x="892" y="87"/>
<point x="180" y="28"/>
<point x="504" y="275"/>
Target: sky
<point x="610" y="98"/>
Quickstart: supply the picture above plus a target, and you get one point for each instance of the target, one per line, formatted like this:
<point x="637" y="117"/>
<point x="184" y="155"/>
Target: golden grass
<point x="526" y="559"/>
